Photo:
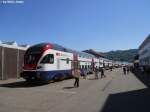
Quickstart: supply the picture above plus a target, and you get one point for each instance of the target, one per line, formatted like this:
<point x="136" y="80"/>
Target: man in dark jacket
<point x="102" y="73"/>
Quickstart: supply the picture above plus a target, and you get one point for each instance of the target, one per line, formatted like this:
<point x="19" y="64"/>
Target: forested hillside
<point x="121" y="55"/>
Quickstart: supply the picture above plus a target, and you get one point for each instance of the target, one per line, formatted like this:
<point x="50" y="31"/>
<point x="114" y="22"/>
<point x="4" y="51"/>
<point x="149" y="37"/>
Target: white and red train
<point x="46" y="61"/>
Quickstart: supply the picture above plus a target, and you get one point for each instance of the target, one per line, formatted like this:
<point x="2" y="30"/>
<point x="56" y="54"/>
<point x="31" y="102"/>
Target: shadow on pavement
<point x="21" y="84"/>
<point x="96" y="79"/>
<point x="132" y="101"/>
<point x="70" y="87"/>
<point x="92" y="79"/>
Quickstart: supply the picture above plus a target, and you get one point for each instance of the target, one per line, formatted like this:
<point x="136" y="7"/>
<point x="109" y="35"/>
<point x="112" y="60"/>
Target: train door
<point x="75" y="62"/>
<point x="92" y="64"/>
<point x="58" y="64"/>
<point x="103" y="64"/>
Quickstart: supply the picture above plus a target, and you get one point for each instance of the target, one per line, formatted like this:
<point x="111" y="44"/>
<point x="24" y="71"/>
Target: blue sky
<point x="102" y="25"/>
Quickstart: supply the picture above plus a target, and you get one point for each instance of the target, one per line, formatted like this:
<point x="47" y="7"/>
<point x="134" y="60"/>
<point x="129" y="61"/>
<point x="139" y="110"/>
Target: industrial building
<point x="11" y="59"/>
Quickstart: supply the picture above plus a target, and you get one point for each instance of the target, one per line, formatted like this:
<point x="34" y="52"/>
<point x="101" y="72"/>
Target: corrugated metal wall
<point x="11" y="61"/>
<point x="20" y="61"/>
<point x="0" y="63"/>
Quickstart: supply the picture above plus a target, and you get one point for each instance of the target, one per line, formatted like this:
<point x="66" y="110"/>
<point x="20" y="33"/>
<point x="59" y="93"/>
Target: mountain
<point x="121" y="55"/>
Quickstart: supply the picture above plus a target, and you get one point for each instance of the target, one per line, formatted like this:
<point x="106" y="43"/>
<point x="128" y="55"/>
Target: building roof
<point x="24" y="45"/>
<point x="95" y="53"/>
<point x="9" y="43"/>
<point x="13" y="44"/>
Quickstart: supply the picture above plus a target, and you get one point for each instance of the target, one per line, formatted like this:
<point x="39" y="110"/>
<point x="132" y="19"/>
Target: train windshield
<point x="31" y="58"/>
<point x="33" y="54"/>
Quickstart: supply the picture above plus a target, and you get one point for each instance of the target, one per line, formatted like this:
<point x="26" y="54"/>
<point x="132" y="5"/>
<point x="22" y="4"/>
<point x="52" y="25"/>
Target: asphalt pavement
<point x="114" y="93"/>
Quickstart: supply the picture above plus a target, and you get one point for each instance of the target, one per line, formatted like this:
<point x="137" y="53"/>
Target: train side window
<point x="85" y="66"/>
<point x="49" y="59"/>
<point x="82" y="66"/>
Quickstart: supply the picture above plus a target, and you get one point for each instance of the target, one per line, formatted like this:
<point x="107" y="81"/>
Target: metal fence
<point x="11" y="61"/>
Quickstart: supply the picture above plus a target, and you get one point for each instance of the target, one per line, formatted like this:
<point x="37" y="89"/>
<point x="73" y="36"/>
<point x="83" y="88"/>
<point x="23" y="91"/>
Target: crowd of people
<point x="77" y="73"/>
<point x="97" y="71"/>
<point x="126" y="69"/>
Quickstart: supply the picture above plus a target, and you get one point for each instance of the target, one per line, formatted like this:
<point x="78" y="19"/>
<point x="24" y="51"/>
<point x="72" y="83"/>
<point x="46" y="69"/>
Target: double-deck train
<point x="144" y="54"/>
<point x="46" y="62"/>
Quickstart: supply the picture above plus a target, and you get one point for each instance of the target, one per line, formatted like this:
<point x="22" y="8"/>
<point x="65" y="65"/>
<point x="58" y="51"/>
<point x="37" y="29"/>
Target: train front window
<point x="31" y="58"/>
<point x="49" y="59"/>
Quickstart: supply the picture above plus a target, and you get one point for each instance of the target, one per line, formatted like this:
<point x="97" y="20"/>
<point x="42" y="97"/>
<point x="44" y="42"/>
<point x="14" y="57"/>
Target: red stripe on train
<point x="29" y="66"/>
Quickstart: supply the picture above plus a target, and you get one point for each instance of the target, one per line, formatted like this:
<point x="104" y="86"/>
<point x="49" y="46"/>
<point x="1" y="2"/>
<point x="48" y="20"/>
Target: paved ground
<point x="115" y="93"/>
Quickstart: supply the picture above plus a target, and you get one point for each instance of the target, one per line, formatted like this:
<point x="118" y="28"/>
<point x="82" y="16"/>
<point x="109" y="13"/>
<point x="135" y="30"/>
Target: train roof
<point x="64" y="49"/>
<point x="61" y="48"/>
<point x="95" y="53"/>
<point x="145" y="42"/>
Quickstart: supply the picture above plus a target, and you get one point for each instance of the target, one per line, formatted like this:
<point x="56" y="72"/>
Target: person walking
<point x="102" y="73"/>
<point x="96" y="72"/>
<point x="111" y="68"/>
<point x="128" y="69"/>
<point x="76" y="75"/>
<point x="124" y="70"/>
<point x="82" y="72"/>
<point x="85" y="73"/>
